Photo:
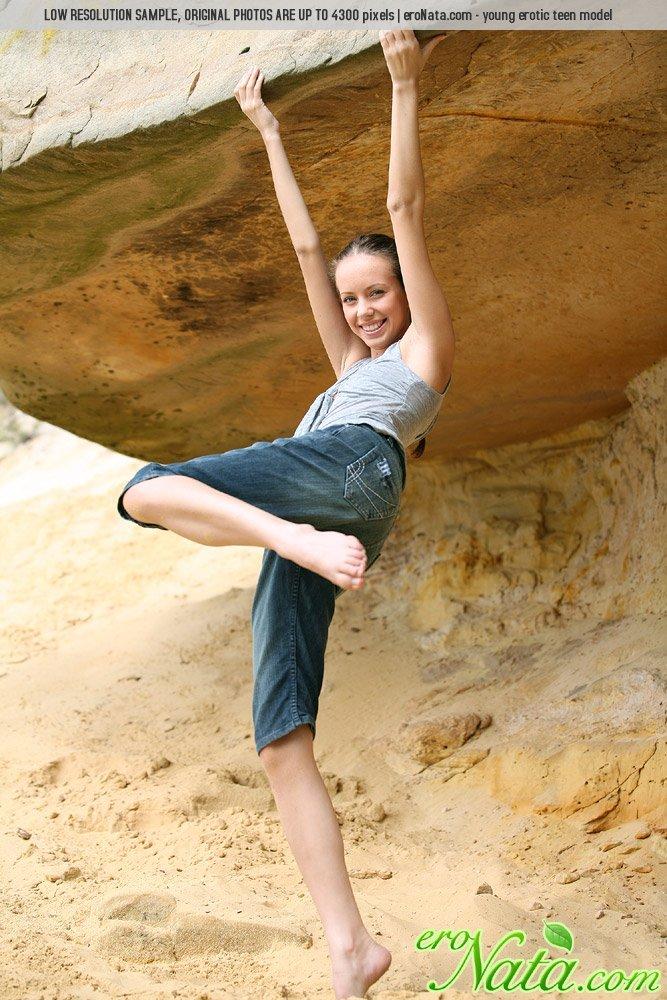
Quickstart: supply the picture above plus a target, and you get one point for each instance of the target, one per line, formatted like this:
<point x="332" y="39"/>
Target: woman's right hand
<point x="248" y="93"/>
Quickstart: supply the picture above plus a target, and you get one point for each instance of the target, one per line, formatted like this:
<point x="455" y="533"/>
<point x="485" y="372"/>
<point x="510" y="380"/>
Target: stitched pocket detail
<point x="370" y="486"/>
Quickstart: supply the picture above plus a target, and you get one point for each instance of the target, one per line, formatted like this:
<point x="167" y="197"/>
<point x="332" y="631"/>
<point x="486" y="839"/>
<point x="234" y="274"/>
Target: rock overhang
<point x="149" y="295"/>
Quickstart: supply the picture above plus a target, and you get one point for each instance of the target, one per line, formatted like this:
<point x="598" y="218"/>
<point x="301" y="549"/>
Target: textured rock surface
<point x="149" y="296"/>
<point x="528" y="535"/>
<point x="545" y="551"/>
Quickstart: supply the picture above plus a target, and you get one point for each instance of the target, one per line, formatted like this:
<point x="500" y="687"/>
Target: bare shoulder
<point x="427" y="360"/>
<point x="356" y="353"/>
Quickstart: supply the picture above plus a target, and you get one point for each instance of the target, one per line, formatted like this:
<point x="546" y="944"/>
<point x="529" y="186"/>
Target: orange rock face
<point x="150" y="299"/>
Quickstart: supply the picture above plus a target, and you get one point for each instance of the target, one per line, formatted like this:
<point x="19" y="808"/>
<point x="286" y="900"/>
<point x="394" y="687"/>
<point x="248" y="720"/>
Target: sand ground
<point x="151" y="861"/>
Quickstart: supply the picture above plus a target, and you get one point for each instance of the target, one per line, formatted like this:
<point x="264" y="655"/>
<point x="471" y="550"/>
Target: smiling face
<point x="373" y="299"/>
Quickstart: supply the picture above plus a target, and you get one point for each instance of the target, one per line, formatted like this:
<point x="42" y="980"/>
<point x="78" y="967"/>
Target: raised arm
<point x="428" y="344"/>
<point x="327" y="310"/>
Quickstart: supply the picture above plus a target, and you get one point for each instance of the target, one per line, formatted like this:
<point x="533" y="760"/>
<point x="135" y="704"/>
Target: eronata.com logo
<point x="541" y="972"/>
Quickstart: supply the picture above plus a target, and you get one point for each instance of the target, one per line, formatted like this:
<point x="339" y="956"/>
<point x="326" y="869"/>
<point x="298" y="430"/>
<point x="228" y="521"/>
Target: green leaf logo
<point x="559" y="935"/>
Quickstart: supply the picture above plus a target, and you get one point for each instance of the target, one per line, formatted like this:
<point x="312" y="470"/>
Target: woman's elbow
<point x="403" y="204"/>
<point x="308" y="248"/>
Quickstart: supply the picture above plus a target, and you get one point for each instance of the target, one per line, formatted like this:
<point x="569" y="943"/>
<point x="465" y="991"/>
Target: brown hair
<point x="382" y="246"/>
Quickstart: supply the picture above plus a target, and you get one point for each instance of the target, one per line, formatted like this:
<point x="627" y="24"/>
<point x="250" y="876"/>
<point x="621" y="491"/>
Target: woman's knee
<point x="286" y="750"/>
<point x="140" y="501"/>
<point x="149" y="498"/>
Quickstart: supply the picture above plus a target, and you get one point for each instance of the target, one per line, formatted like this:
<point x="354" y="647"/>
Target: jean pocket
<point x="370" y="486"/>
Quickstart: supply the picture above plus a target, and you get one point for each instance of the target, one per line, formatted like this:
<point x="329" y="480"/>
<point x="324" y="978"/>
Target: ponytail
<point x="417" y="450"/>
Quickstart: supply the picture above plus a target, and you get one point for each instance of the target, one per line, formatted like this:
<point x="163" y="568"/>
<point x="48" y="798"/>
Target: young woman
<point x="322" y="502"/>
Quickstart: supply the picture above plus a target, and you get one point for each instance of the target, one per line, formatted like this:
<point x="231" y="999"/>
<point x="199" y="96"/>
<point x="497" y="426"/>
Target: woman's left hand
<point x="404" y="56"/>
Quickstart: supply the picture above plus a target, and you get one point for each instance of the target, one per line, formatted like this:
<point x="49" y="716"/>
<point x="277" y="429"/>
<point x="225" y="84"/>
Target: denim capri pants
<point x="347" y="478"/>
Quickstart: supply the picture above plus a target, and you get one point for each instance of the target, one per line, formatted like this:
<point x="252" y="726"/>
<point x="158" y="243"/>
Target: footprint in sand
<point x="149" y="927"/>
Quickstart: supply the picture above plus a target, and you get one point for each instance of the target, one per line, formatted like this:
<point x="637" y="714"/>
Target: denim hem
<point x="286" y="728"/>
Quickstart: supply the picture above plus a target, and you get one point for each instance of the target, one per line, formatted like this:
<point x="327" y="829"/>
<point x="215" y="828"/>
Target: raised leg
<point x="312" y="831"/>
<point x="197" y="511"/>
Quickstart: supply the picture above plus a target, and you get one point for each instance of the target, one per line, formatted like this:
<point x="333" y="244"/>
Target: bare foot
<point x="337" y="557"/>
<point x="354" y="971"/>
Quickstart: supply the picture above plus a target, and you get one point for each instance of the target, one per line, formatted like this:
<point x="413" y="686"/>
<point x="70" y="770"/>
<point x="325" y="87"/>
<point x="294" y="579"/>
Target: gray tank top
<point x="382" y="392"/>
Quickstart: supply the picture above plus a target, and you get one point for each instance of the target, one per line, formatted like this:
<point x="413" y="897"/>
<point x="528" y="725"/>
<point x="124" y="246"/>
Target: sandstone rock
<point x="149" y="295"/>
<point x="159" y="764"/>
<point x="63" y="873"/>
<point x="433" y="737"/>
